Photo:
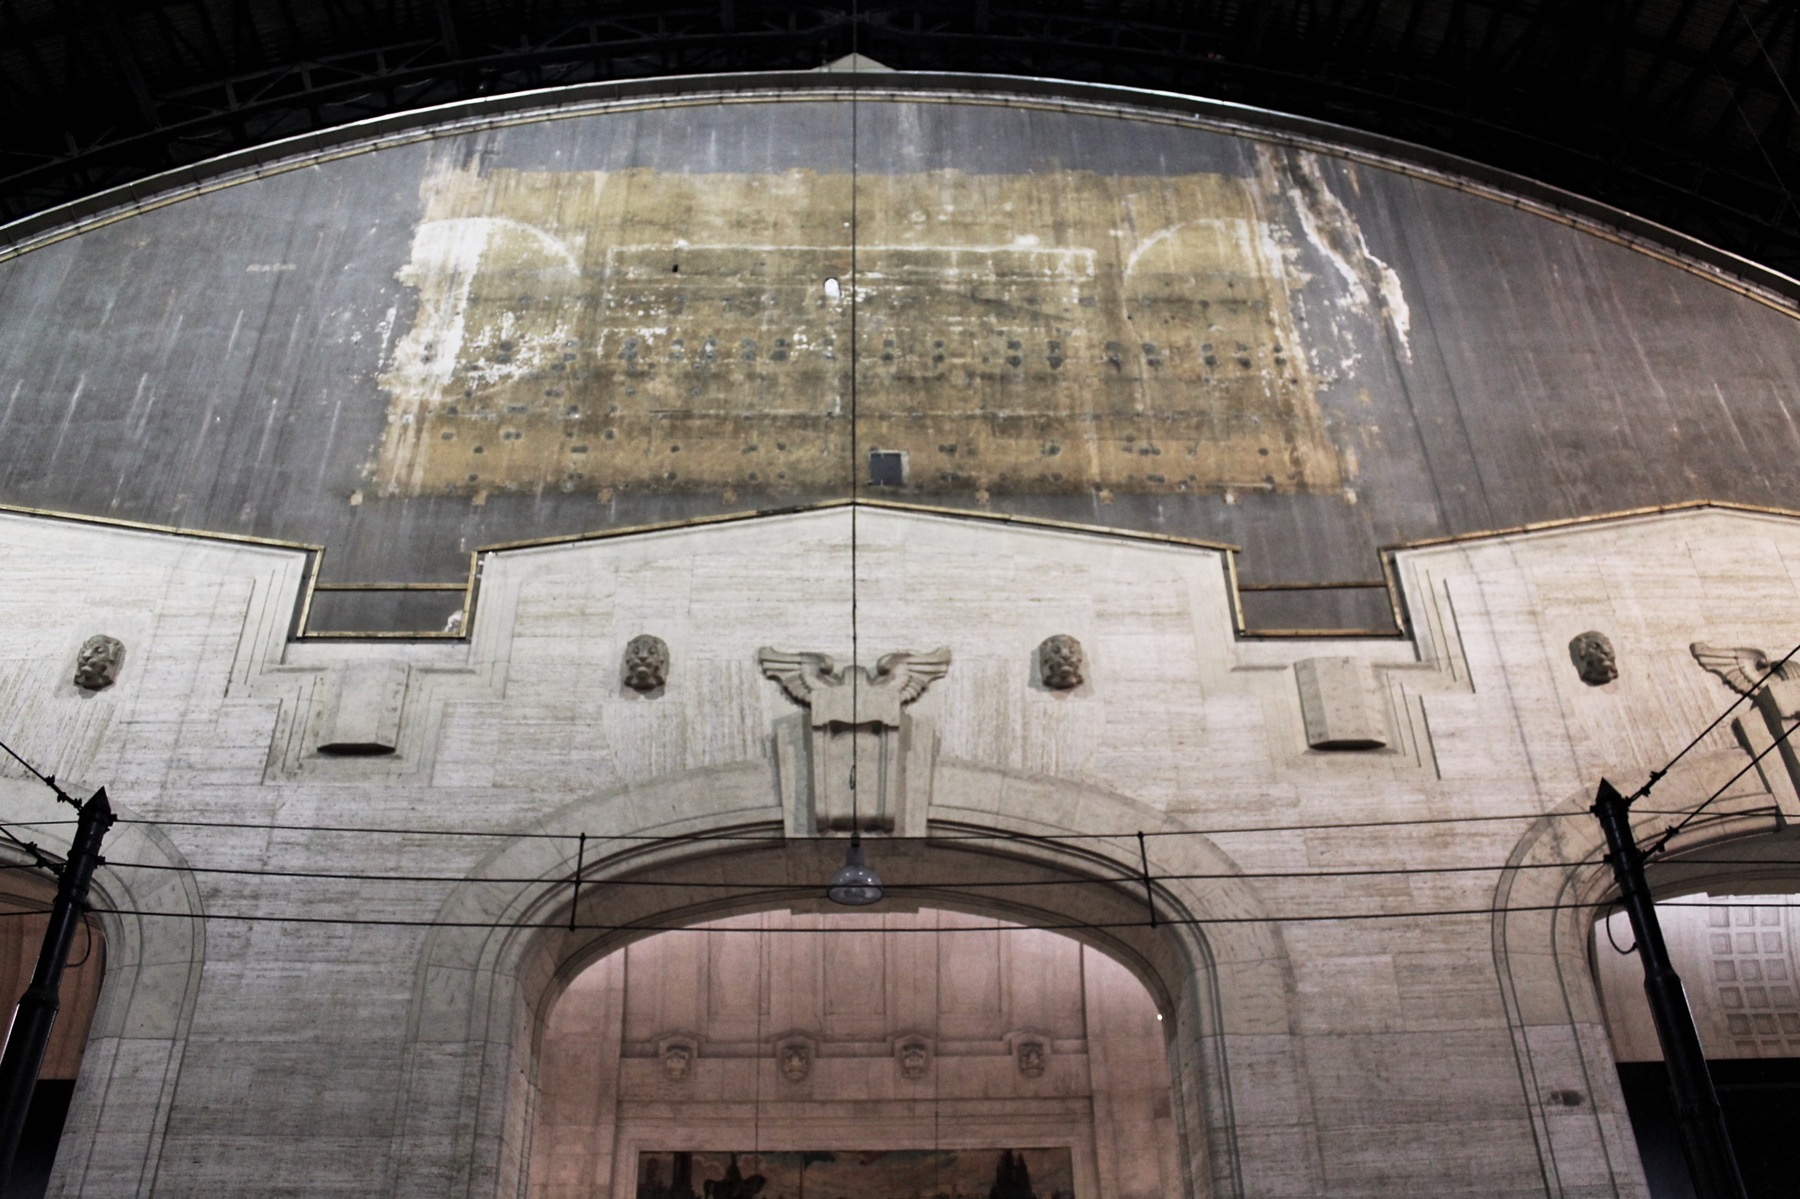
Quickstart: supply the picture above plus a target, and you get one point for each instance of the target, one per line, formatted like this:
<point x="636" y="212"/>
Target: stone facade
<point x="1375" y="1029"/>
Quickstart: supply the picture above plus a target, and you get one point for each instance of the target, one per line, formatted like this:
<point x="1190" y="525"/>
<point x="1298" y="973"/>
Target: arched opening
<point x="24" y="902"/>
<point x="503" y="955"/>
<point x="1551" y="945"/>
<point x="923" y="1053"/>
<point x="1734" y="945"/>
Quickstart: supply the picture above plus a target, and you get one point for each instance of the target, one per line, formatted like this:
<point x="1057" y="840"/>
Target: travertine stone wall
<point x="1374" y="966"/>
<point x="968" y="990"/>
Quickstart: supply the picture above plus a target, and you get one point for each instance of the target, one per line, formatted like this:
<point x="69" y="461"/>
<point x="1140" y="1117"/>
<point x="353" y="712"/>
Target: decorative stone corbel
<point x="1340" y="701"/>
<point x="794" y="1055"/>
<point x="856" y="757"/>
<point x="678" y="1053"/>
<point x="363" y="704"/>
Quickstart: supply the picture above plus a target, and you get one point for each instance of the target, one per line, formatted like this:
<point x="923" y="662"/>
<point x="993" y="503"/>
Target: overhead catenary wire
<point x="1143" y="876"/>
<point x="1489" y="910"/>
<point x="1656" y="776"/>
<point x="39" y="859"/>
<point x="966" y="834"/>
<point x="1133" y="879"/>
<point x="855" y="442"/>
<point x="1662" y="842"/>
<point x="943" y="836"/>
<point x="49" y="780"/>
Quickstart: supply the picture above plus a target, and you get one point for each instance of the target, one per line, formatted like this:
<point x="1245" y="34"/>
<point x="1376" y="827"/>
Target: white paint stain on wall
<point x="442" y="356"/>
<point x="1371" y="286"/>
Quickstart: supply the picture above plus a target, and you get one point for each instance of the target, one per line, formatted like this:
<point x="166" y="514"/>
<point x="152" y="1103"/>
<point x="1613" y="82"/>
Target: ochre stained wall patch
<point x="644" y="330"/>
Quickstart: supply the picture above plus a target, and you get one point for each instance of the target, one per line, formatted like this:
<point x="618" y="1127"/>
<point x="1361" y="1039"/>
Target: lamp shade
<point x="855" y="885"/>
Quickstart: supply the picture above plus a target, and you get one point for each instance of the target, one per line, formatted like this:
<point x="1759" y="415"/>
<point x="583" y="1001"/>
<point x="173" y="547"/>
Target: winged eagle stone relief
<point x="804" y="675"/>
<point x="1743" y="667"/>
<point x="851" y="768"/>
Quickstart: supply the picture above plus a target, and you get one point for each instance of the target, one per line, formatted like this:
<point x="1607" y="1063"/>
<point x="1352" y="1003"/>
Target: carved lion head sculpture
<point x="97" y="663"/>
<point x="1594" y="660"/>
<point x="646" y="662"/>
<point x="1060" y="662"/>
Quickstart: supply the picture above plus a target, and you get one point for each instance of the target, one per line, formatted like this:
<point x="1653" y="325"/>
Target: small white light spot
<point x="832" y="290"/>
<point x="1159" y="1017"/>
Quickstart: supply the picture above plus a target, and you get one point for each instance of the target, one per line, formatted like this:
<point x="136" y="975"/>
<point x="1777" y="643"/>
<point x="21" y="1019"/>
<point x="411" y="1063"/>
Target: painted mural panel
<point x="664" y="332"/>
<point x="890" y="1174"/>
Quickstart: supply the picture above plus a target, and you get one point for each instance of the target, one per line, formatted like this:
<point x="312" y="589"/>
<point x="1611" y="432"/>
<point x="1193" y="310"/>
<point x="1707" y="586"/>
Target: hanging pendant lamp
<point x="855" y="885"/>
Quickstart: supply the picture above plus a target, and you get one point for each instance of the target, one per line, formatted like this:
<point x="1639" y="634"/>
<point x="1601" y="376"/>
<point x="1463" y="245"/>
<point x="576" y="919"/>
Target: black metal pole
<point x="1701" y="1121"/>
<point x="29" y="1035"/>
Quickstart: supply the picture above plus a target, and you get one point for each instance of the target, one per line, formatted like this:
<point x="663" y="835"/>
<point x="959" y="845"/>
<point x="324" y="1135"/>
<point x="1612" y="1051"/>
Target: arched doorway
<point x="1737" y="949"/>
<point x="24" y="904"/>
<point x="504" y="949"/>
<point x="921" y="1051"/>
<point x="1576" y="1002"/>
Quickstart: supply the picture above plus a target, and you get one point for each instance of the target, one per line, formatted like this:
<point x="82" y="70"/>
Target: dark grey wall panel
<point x="1051" y="323"/>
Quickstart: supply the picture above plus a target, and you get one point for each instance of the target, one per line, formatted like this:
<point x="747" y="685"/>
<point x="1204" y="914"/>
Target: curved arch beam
<point x="487" y="980"/>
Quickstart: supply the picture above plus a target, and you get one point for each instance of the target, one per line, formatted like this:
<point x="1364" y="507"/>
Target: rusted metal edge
<point x="999" y="518"/>
<point x="1352" y="585"/>
<point x="392" y="587"/>
<point x="167" y="530"/>
<point x="1319" y="634"/>
<point x="1565" y="522"/>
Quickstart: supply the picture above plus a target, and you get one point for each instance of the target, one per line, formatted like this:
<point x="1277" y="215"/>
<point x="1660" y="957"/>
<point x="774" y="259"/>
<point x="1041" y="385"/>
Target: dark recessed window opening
<point x="887" y="468"/>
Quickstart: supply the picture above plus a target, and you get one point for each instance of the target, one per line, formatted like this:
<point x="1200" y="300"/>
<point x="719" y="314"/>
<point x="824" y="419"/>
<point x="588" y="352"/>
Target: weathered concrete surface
<point x="248" y="360"/>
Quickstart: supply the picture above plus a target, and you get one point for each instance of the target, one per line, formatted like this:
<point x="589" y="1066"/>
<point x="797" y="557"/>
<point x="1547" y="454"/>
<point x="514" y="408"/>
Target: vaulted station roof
<point x="1682" y="112"/>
